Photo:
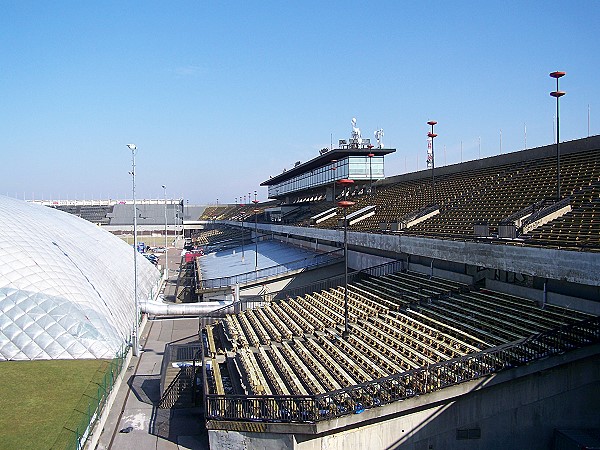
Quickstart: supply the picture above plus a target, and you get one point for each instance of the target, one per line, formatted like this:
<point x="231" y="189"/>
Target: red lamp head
<point x="558" y="74"/>
<point x="346" y="204"/>
<point x="431" y="122"/>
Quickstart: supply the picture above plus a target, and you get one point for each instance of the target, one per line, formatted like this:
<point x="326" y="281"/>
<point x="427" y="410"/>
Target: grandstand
<point x="400" y="322"/>
<point x="459" y="311"/>
<point x="116" y="216"/>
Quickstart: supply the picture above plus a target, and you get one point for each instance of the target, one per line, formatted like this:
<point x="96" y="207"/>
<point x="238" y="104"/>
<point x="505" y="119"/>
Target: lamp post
<point x="557" y="94"/>
<point x="255" y="201"/>
<point x="187" y="208"/>
<point x="136" y="340"/>
<point x="432" y="135"/>
<point x="166" y="251"/>
<point x="370" y="155"/>
<point x="345" y="204"/>
<point x="242" y="219"/>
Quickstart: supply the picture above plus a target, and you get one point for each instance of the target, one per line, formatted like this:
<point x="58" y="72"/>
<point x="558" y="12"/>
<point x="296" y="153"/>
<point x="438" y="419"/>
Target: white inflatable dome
<point x="66" y="285"/>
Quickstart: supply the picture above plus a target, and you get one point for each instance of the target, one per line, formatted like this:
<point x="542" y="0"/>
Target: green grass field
<point x="43" y="402"/>
<point x="153" y="241"/>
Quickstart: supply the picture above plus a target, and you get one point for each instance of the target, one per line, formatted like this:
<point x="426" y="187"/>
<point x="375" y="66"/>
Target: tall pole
<point x="557" y="94"/>
<point x="166" y="243"/>
<point x="136" y="339"/>
<point x="187" y="206"/>
<point x="432" y="135"/>
<point x="346" y="330"/>
<point x="345" y="204"/>
<point x="255" y="201"/>
<point x="243" y="258"/>
<point x="500" y="140"/>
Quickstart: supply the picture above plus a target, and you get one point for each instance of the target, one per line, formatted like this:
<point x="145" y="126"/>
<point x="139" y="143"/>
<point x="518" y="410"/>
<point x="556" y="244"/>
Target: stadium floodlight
<point x="557" y="94"/>
<point x="432" y="135"/>
<point x="135" y="338"/>
<point x="166" y="243"/>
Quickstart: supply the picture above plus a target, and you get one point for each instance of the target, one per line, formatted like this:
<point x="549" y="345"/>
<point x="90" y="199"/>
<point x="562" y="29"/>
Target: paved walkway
<point x="134" y="421"/>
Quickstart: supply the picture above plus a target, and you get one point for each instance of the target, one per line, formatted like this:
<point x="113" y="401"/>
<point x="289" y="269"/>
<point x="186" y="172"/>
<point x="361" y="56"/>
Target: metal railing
<point x="177" y="353"/>
<point x="333" y="282"/>
<point x="355" y="399"/>
<point x="309" y="262"/>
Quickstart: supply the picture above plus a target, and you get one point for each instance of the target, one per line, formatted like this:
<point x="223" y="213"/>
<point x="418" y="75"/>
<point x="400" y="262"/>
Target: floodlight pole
<point x="166" y="251"/>
<point x="136" y="338"/>
<point x="557" y="94"/>
<point x="432" y="135"/>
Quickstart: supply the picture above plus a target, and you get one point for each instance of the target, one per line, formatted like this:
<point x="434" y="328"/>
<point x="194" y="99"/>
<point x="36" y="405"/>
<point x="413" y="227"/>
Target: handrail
<point x="546" y="210"/>
<point x="401" y="386"/>
<point x="317" y="260"/>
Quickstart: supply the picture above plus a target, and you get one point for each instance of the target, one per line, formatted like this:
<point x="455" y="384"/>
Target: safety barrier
<point x="90" y="407"/>
<point x="304" y="263"/>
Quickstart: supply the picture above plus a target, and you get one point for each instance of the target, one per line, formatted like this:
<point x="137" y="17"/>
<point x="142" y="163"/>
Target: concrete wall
<point x="552" y="298"/>
<point x="519" y="409"/>
<point x="459" y="277"/>
<point x="356" y="260"/>
<point x="572" y="266"/>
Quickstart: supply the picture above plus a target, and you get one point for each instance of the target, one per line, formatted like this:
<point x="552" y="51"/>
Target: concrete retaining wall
<point x="566" y="265"/>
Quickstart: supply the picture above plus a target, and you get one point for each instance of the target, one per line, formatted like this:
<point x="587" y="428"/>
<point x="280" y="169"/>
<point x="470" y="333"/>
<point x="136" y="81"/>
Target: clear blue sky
<point x="218" y="96"/>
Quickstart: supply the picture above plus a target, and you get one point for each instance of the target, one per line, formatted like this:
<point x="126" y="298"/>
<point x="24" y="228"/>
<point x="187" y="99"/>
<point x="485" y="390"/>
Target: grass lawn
<point x="42" y="401"/>
<point x="152" y="241"/>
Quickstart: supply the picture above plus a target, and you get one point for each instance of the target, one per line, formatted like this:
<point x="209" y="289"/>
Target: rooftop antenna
<point x="356" y="132"/>
<point x="379" y="137"/>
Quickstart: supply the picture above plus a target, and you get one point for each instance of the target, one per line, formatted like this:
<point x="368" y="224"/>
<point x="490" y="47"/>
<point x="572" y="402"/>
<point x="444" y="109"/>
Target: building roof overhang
<point x="325" y="158"/>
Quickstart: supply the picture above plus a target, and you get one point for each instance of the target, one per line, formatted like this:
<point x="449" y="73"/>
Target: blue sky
<point x="218" y="96"/>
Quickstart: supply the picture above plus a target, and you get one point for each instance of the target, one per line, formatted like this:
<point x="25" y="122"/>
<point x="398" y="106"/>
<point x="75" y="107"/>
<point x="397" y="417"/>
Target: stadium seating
<point x="488" y="195"/>
<point x="398" y="322"/>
